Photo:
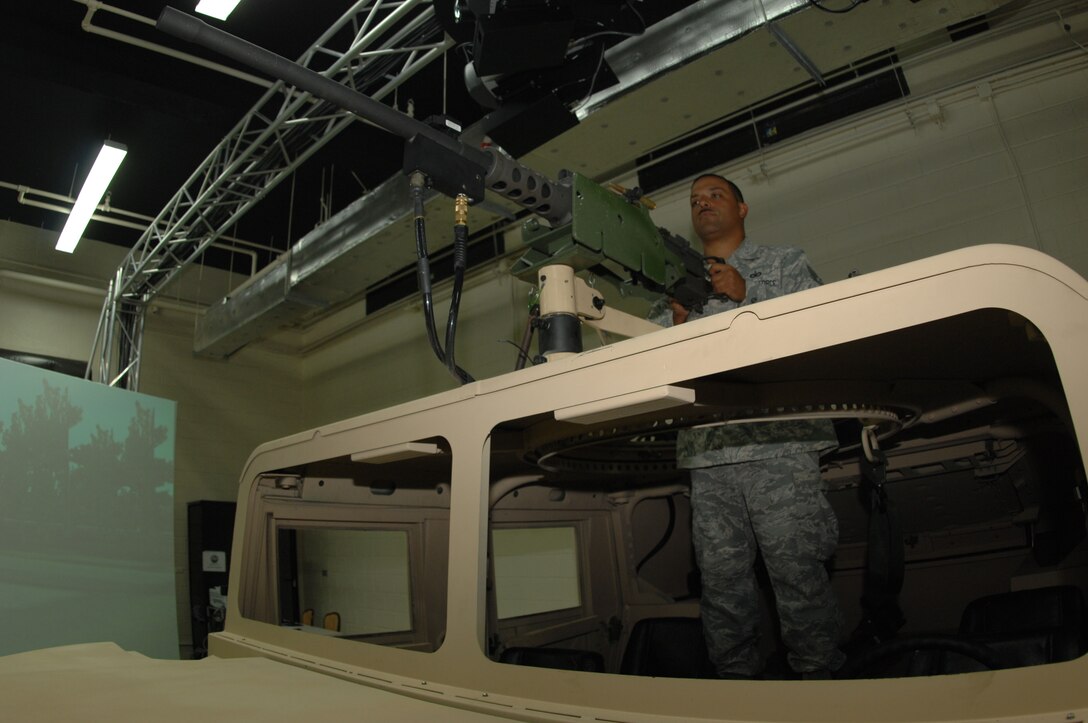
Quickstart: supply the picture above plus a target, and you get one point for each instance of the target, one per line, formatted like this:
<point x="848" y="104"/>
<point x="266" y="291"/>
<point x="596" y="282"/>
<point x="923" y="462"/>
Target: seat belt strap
<point x="884" y="560"/>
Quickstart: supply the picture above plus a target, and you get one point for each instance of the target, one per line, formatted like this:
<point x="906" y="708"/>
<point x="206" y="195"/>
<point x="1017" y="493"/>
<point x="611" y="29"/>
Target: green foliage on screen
<point x="86" y="514"/>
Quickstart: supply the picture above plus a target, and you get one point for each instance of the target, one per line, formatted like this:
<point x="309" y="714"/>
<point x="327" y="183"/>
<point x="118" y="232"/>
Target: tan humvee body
<point x="968" y="367"/>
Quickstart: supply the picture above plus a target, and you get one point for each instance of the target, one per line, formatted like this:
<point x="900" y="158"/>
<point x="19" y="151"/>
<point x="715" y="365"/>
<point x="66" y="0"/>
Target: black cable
<point x="592" y="79"/>
<point x="664" y="538"/>
<point x="841" y="11"/>
<point x="527" y="337"/>
<point x="523" y="358"/>
<point x="423" y="269"/>
<point x="637" y="15"/>
<point x="460" y="261"/>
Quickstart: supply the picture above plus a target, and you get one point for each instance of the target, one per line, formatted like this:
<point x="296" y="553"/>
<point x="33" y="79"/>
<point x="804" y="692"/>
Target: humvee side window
<point x="536" y="570"/>
<point x="956" y="470"/>
<point x="553" y="585"/>
<point x="353" y="582"/>
<point x="356" y="546"/>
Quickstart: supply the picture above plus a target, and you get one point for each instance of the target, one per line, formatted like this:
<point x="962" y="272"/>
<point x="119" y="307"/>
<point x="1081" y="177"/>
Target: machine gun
<point x="588" y="226"/>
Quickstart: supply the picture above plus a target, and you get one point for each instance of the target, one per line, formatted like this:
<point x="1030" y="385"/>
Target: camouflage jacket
<point x="769" y="272"/>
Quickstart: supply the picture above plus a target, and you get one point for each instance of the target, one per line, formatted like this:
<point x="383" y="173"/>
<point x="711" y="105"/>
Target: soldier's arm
<point x="797" y="272"/>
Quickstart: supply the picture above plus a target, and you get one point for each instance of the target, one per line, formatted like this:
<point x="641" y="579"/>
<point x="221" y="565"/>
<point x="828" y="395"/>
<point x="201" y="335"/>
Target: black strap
<point x="884" y="562"/>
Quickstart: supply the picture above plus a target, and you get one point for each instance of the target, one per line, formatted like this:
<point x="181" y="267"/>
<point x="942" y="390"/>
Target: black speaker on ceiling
<point x="521" y="128"/>
<point x="515" y="41"/>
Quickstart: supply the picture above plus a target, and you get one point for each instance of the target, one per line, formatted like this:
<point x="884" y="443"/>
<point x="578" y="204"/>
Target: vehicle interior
<point x="958" y="486"/>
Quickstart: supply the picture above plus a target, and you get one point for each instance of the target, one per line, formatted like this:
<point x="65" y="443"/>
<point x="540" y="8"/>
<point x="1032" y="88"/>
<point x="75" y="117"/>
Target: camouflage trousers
<point x="776" y="506"/>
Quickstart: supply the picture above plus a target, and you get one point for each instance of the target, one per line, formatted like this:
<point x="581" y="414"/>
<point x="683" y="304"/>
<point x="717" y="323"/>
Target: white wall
<point x="389" y="360"/>
<point x="361" y="574"/>
<point x="1003" y="160"/>
<point x="55" y="316"/>
<point x="57" y="319"/>
<point x="224" y="411"/>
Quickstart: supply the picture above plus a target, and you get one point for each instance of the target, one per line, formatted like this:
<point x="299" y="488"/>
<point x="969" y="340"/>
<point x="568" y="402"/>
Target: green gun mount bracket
<point x="606" y="232"/>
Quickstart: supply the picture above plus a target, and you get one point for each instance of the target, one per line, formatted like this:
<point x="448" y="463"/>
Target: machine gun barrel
<point x="453" y="166"/>
<point x="194" y="30"/>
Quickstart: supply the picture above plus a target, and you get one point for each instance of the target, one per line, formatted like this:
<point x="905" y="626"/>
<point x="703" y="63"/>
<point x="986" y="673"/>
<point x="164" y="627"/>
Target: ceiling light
<point x="218" y="9"/>
<point x="109" y="158"/>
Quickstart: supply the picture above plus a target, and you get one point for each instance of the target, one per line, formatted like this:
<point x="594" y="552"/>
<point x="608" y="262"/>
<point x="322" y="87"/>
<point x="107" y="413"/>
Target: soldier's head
<point x="717" y="207"/>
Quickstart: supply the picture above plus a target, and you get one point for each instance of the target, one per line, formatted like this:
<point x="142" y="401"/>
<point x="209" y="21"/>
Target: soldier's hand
<point x="679" y="313"/>
<point x="727" y="281"/>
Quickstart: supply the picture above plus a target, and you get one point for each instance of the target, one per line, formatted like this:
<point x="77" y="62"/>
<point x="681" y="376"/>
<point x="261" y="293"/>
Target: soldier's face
<point x="714" y="208"/>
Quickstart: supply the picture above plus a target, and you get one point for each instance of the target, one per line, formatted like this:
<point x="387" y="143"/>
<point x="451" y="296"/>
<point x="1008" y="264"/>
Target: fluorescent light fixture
<point x="218" y="9"/>
<point x="94" y="188"/>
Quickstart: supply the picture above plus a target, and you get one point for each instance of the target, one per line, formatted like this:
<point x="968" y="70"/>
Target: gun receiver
<point x="589" y="226"/>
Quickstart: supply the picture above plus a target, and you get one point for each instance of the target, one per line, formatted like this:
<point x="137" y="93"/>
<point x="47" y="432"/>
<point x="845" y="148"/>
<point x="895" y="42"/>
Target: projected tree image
<point x="34" y="454"/>
<point x="94" y="465"/>
<point x="86" y="514"/>
<point x="103" y="488"/>
<point x="147" y="479"/>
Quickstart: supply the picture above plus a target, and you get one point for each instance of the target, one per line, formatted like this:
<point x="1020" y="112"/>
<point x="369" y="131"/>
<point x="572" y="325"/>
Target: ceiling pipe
<point x="39" y="280"/>
<point x="192" y="308"/>
<point x="105" y="207"/>
<point x="120" y="211"/>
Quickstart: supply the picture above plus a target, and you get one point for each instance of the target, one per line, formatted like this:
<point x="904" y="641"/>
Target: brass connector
<point x="460" y="210"/>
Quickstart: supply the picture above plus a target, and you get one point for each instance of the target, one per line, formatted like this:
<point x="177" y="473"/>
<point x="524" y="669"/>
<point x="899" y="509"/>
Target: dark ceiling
<point x="70" y="89"/>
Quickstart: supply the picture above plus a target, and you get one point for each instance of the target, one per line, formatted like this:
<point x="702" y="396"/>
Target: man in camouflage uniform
<point x="757" y="485"/>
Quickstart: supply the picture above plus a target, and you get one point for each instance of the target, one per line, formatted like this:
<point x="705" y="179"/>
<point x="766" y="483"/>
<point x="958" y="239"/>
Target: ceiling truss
<point x="373" y="48"/>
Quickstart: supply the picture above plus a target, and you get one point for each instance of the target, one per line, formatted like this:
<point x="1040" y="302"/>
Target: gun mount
<point x="587" y="226"/>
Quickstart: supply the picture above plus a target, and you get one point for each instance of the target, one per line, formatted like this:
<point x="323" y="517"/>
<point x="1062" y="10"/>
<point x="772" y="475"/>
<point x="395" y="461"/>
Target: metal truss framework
<point x="384" y="43"/>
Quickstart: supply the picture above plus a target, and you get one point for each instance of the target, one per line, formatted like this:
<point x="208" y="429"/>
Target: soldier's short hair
<point x="732" y="186"/>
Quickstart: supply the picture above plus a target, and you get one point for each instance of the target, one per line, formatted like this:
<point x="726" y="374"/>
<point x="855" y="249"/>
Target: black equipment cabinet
<point x="211" y="529"/>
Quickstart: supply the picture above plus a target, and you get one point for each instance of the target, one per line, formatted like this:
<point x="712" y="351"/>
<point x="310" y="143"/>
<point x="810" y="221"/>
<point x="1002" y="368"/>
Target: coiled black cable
<point x="423" y="270"/>
<point x="460" y="263"/>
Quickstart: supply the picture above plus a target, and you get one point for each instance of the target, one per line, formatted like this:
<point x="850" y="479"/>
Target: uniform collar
<point x="746" y="250"/>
